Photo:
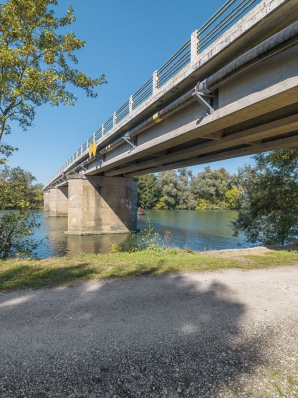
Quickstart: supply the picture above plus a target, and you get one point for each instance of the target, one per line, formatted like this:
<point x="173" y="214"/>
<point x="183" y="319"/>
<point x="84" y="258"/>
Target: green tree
<point x="17" y="189"/>
<point x="186" y="196"/>
<point x="37" y="197"/>
<point x="168" y="181"/>
<point x="211" y="185"/>
<point x="37" y="66"/>
<point x="232" y="197"/>
<point x="269" y="208"/>
<point x="16" y="227"/>
<point x="37" y="61"/>
<point x="148" y="191"/>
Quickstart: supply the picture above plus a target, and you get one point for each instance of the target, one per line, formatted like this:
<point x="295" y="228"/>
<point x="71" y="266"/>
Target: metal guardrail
<point x="222" y="20"/>
<point x="175" y="63"/>
<point x="213" y="28"/>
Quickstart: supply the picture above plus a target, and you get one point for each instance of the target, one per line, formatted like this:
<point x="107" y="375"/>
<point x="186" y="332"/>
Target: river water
<point x="195" y="229"/>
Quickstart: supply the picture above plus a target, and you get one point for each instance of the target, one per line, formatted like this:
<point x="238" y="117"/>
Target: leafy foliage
<point x="18" y="192"/>
<point x="37" y="61"/>
<point x="233" y="197"/>
<point x="148" y="191"/>
<point x="168" y="181"/>
<point x="148" y="239"/>
<point x="15" y="230"/>
<point x="269" y="212"/>
<point x="182" y="190"/>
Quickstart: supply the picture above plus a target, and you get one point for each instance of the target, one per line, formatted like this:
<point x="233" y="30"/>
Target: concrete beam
<point x="248" y="136"/>
<point x="234" y="153"/>
<point x="283" y="94"/>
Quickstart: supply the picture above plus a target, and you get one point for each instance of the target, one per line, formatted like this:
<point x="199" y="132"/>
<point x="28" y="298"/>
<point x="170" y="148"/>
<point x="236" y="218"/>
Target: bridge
<point x="231" y="90"/>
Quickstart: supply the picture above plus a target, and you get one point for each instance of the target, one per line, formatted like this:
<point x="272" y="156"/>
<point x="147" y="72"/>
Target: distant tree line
<point x="182" y="189"/>
<point x="18" y="191"/>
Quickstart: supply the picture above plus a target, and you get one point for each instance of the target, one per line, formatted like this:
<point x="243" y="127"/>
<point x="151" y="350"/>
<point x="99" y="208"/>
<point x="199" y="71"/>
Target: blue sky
<point x="127" y="41"/>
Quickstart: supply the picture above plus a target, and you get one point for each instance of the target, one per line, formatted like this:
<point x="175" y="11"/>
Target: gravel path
<point x="220" y="334"/>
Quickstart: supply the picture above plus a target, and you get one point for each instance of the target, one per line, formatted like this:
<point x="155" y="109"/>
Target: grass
<point x="22" y="273"/>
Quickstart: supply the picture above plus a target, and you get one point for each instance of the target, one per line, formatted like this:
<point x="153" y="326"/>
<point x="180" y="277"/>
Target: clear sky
<point x="127" y="41"/>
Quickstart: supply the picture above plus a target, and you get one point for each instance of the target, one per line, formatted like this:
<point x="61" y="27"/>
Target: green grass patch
<point x="273" y="258"/>
<point x="21" y="273"/>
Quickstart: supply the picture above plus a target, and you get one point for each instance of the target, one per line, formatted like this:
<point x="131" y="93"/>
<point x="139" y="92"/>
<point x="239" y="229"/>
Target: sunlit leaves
<point x="36" y="61"/>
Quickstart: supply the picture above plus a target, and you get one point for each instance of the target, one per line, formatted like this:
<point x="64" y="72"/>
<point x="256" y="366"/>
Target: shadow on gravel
<point x="168" y="336"/>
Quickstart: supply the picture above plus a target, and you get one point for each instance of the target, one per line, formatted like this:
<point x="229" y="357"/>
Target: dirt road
<point x="218" y="334"/>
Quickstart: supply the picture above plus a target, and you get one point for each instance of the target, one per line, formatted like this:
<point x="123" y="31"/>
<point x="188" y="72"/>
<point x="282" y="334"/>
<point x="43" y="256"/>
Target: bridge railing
<point x="221" y="21"/>
<point x="181" y="58"/>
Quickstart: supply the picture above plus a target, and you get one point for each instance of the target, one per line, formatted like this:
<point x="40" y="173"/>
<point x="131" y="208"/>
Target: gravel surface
<point x="219" y="334"/>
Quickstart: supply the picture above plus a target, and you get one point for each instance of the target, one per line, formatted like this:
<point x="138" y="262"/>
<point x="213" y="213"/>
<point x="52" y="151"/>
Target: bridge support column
<point x="46" y="197"/>
<point x="58" y="202"/>
<point x="101" y="205"/>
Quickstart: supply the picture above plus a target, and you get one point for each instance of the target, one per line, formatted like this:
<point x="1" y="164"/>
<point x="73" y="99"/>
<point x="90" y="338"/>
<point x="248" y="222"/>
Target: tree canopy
<point x="182" y="189"/>
<point x="269" y="208"/>
<point x="37" y="61"/>
<point x="18" y="192"/>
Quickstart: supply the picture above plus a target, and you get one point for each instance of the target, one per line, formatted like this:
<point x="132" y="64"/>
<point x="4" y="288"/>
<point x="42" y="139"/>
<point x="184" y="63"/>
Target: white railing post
<point x="114" y="119"/>
<point x="81" y="150"/>
<point x="194" y="41"/>
<point x="103" y="129"/>
<point x="130" y="105"/>
<point x="94" y="138"/>
<point x="155" y="82"/>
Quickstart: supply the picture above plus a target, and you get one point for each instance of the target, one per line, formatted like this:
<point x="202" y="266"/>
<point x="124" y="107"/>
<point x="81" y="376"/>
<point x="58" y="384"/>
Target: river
<point x="195" y="229"/>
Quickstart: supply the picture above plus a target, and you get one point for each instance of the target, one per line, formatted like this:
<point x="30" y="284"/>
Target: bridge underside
<point x="254" y="112"/>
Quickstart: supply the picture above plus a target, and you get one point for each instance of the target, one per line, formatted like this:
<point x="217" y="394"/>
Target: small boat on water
<point x="141" y="214"/>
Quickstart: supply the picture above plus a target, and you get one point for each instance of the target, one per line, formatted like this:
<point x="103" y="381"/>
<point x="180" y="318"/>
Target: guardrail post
<point x="94" y="138"/>
<point x="155" y="82"/>
<point x="103" y="129"/>
<point x="194" y="41"/>
<point x="114" y="119"/>
<point x="81" y="150"/>
<point x="130" y="105"/>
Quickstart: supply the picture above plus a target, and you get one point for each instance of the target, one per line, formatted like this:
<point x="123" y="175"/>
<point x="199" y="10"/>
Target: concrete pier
<point x="101" y="205"/>
<point x="46" y="198"/>
<point x="57" y="202"/>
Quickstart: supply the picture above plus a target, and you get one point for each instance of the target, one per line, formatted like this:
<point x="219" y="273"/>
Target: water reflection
<point x="60" y="244"/>
<point x="195" y="229"/>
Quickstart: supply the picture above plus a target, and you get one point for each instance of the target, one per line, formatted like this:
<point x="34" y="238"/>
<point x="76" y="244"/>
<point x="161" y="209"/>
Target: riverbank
<point x="55" y="271"/>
